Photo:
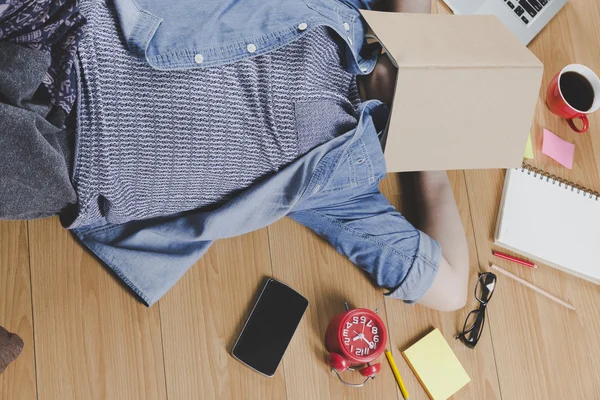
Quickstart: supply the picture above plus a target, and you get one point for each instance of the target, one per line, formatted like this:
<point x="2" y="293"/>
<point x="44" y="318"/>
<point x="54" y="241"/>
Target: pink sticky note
<point x="558" y="149"/>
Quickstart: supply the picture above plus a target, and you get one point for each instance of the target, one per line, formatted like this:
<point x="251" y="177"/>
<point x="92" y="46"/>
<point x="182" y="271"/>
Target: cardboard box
<point x="465" y="93"/>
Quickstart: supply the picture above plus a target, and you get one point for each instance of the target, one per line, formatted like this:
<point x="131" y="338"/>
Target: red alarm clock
<point x="354" y="338"/>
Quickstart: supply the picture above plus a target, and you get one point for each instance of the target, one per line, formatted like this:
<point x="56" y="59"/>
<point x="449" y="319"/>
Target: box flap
<point x="433" y="40"/>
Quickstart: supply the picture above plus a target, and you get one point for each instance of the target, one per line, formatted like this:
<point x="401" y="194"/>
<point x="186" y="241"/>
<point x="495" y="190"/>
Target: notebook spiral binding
<point x="561" y="182"/>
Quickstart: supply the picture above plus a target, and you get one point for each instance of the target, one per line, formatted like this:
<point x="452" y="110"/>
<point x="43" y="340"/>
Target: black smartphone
<point x="270" y="327"/>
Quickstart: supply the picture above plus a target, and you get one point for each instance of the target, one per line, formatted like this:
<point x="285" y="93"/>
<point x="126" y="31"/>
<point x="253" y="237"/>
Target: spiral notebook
<point x="550" y="220"/>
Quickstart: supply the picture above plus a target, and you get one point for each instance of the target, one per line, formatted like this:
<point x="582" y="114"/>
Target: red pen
<point x="514" y="259"/>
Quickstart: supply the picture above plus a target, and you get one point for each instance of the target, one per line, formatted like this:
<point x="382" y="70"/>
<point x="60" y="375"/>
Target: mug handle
<point x="584" y="119"/>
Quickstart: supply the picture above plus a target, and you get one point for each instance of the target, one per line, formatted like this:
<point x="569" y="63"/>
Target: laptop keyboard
<point x="526" y="9"/>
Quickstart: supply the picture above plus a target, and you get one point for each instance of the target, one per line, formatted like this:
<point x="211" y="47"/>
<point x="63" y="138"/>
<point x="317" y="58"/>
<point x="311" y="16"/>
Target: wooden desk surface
<point x="87" y="338"/>
<point x="542" y="350"/>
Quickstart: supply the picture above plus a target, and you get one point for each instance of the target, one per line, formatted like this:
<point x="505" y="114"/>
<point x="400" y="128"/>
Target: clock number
<point x="345" y="333"/>
<point x="347" y="340"/>
<point x="348" y="325"/>
<point x="375" y="339"/>
<point x="366" y="351"/>
<point x="370" y="323"/>
<point x="359" y="351"/>
<point x="355" y="320"/>
<point x="363" y="319"/>
<point x="374" y="330"/>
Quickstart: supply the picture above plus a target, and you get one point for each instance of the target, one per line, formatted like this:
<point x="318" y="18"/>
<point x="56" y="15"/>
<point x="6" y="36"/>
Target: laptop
<point x="525" y="18"/>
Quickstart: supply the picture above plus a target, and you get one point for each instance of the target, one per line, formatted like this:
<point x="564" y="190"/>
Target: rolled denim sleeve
<point x="368" y="230"/>
<point x="421" y="274"/>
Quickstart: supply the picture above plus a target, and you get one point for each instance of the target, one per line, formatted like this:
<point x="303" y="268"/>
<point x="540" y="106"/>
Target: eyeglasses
<point x="473" y="327"/>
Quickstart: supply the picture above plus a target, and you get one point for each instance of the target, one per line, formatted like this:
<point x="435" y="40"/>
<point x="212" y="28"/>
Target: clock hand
<point x="363" y="337"/>
<point x="371" y="344"/>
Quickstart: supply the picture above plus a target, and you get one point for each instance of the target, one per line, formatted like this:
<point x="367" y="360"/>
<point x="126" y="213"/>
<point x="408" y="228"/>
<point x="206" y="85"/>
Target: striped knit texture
<point x="153" y="143"/>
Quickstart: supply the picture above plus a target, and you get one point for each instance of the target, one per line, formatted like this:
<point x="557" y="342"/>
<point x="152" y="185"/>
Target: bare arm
<point x="440" y="219"/>
<point x="438" y="214"/>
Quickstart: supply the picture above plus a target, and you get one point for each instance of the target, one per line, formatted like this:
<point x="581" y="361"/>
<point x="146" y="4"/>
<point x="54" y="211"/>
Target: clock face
<point x="362" y="335"/>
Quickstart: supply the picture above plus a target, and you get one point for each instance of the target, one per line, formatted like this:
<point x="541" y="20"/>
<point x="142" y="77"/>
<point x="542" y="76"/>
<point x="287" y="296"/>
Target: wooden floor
<point x="86" y="337"/>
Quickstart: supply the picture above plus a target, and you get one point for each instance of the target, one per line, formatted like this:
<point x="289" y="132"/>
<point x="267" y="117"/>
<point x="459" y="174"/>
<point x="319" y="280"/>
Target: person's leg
<point x="438" y="216"/>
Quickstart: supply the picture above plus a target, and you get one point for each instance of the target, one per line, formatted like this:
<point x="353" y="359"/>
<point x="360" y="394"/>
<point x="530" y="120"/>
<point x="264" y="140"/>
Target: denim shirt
<point x="333" y="190"/>
<point x="206" y="33"/>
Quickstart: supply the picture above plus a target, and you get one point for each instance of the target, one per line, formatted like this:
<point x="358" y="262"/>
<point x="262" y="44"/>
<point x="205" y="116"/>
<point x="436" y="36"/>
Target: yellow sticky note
<point x="436" y="366"/>
<point x="529" y="148"/>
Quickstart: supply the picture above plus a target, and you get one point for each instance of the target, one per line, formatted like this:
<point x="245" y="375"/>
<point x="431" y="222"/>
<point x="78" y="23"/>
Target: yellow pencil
<point x="388" y="354"/>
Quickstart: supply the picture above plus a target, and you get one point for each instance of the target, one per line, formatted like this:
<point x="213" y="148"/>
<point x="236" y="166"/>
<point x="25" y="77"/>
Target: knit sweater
<point x="153" y="143"/>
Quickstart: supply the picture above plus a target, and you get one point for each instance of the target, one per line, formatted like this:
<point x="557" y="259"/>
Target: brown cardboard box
<point x="465" y="94"/>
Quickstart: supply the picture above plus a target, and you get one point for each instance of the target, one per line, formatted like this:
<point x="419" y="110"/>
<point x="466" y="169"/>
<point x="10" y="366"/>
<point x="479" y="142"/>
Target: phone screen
<point x="270" y="327"/>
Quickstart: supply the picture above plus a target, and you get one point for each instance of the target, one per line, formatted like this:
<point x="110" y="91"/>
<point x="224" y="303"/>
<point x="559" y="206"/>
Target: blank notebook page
<point x="550" y="221"/>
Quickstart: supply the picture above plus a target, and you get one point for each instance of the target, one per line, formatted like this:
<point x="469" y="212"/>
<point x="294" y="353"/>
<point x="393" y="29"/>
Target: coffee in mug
<point x="573" y="93"/>
<point x="577" y="90"/>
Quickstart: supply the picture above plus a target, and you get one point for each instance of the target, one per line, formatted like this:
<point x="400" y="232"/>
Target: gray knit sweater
<point x="153" y="143"/>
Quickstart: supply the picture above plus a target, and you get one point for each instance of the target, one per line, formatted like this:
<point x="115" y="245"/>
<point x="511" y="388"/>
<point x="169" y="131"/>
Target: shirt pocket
<point x="318" y="121"/>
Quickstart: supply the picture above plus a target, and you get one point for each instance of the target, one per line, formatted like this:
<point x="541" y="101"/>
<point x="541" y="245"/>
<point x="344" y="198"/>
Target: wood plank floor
<point x="86" y="337"/>
<point x="18" y="381"/>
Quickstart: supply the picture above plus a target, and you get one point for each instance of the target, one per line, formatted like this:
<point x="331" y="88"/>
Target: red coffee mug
<point x="556" y="102"/>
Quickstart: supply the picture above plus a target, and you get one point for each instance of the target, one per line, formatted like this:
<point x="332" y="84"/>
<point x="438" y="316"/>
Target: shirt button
<point x="303" y="26"/>
<point x="346" y="26"/>
<point x="364" y="69"/>
<point x="199" y="58"/>
<point x="251" y="48"/>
